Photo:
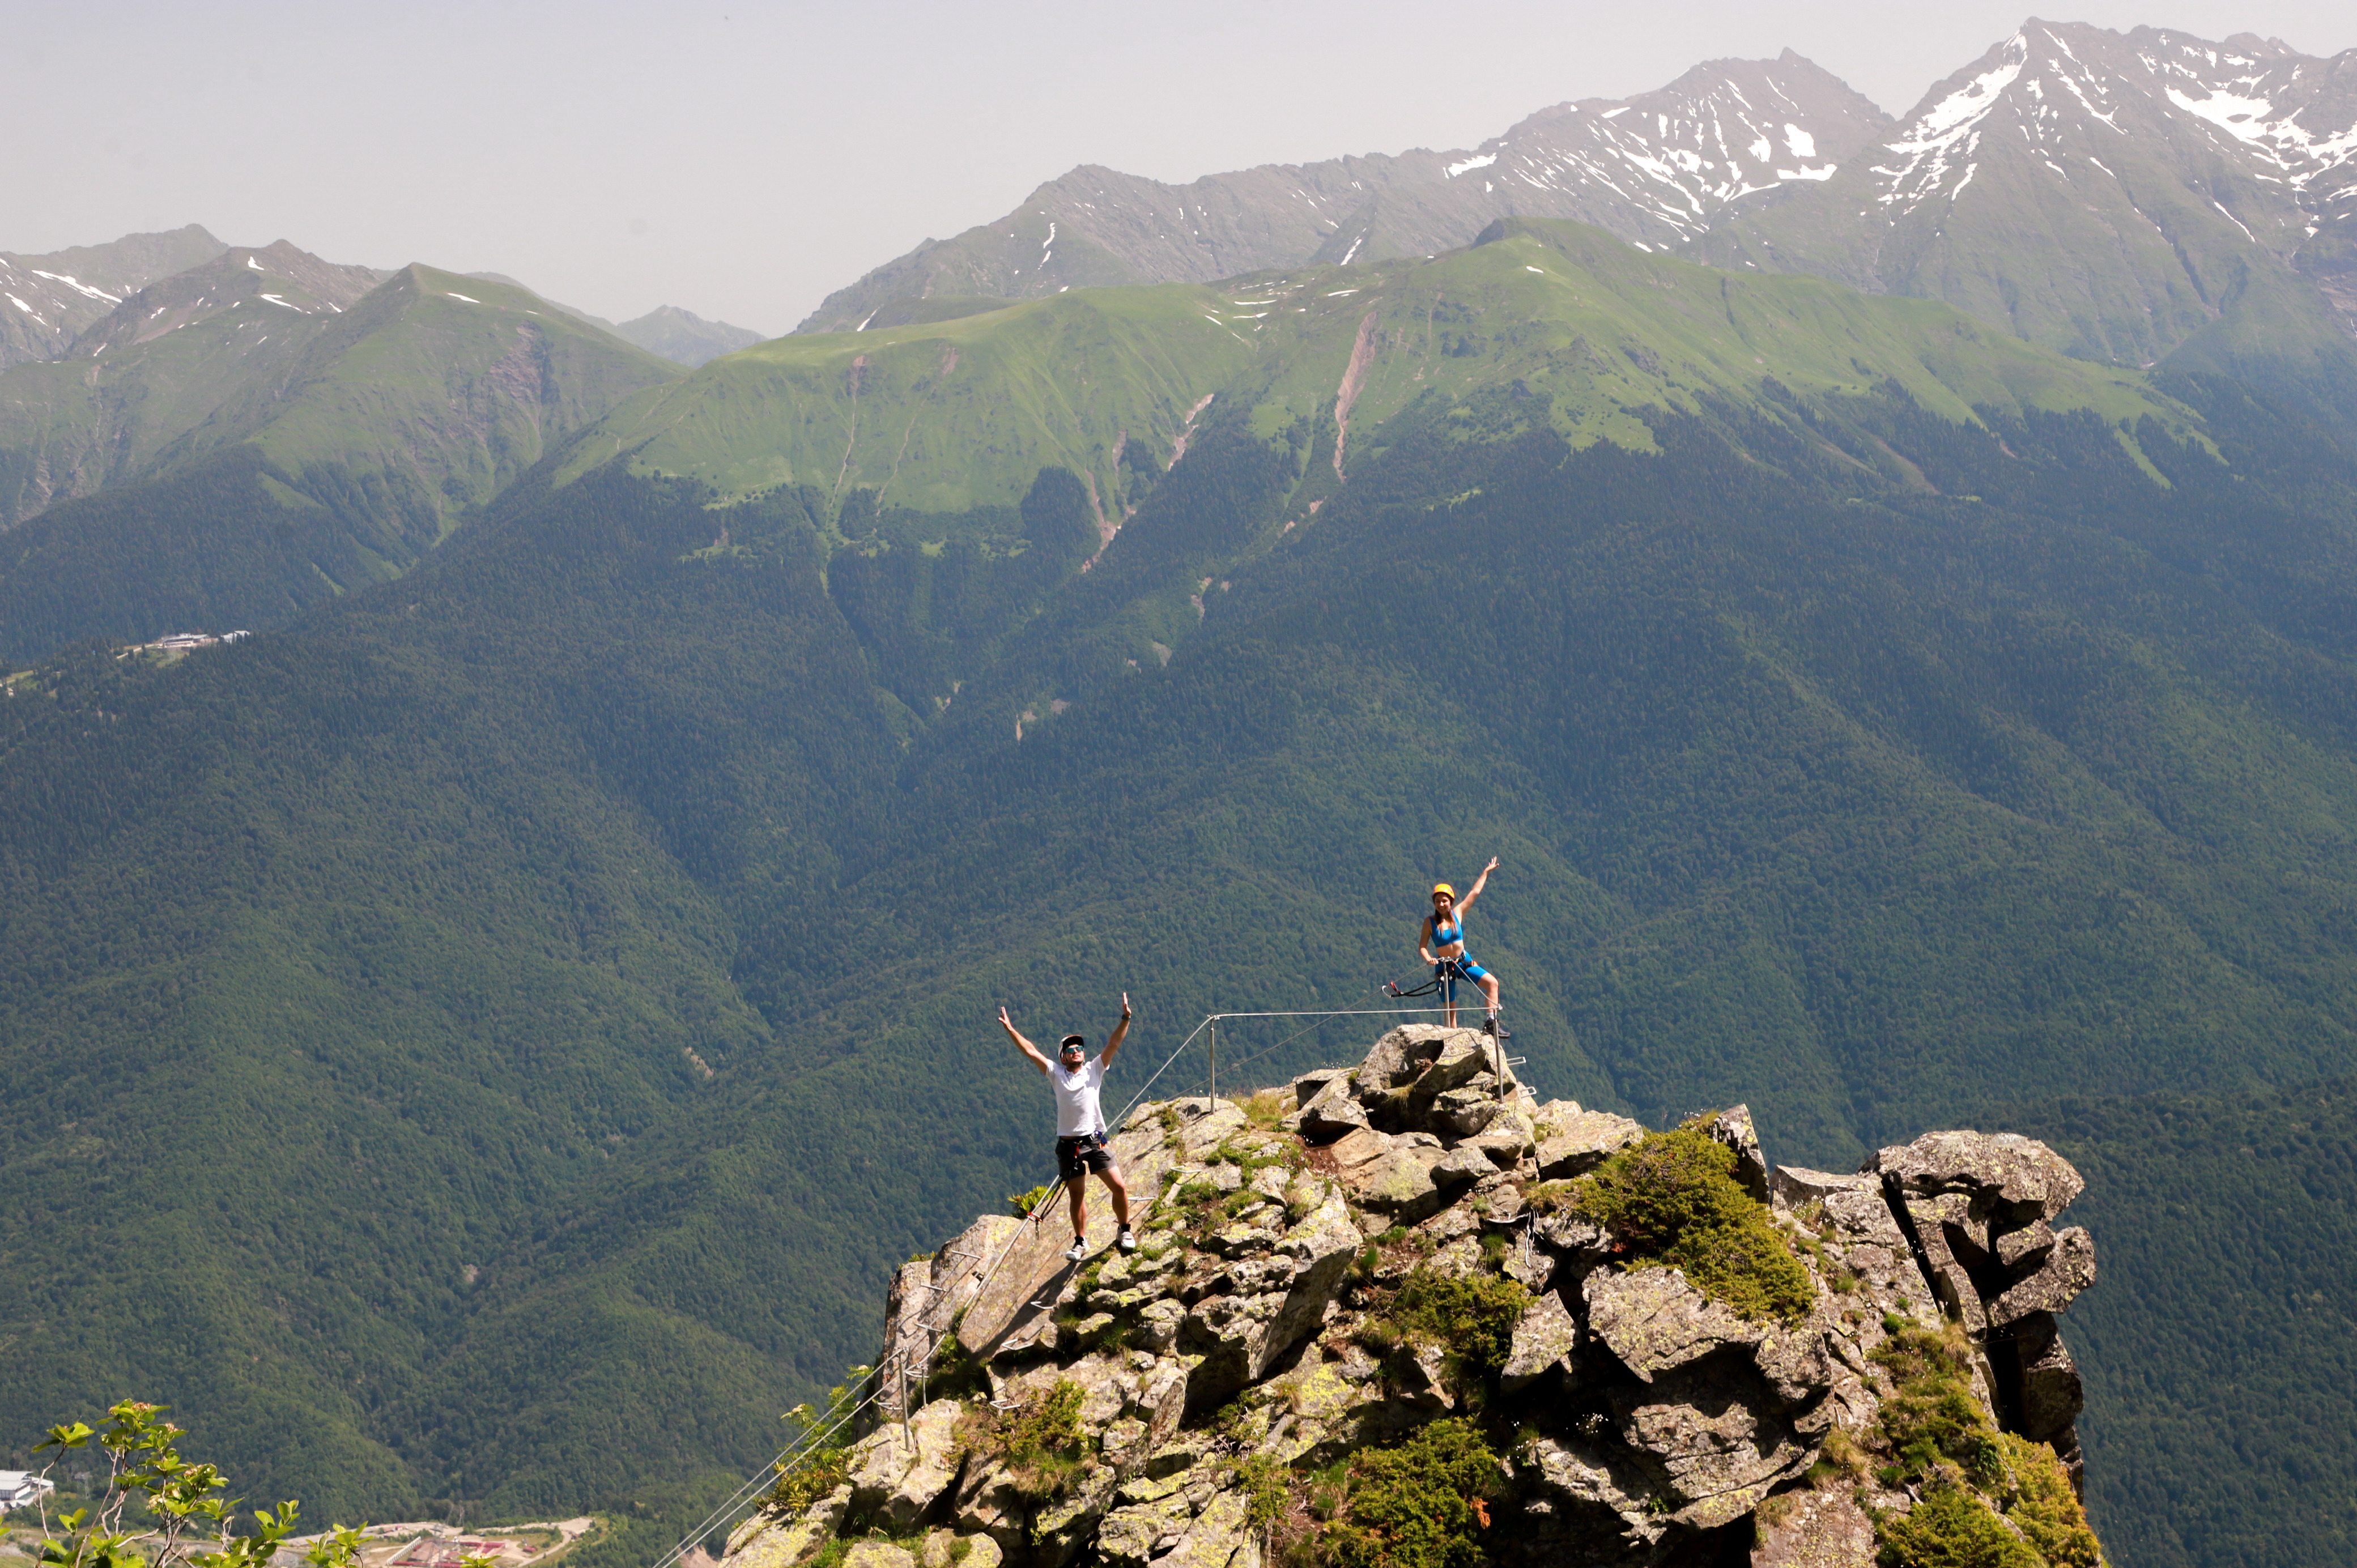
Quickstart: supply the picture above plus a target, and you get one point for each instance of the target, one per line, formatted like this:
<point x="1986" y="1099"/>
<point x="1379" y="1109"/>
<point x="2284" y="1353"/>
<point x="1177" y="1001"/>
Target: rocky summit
<point x="1408" y="1314"/>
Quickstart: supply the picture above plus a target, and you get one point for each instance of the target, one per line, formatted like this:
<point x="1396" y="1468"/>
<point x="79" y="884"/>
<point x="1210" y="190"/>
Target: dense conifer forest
<point x="515" y="1019"/>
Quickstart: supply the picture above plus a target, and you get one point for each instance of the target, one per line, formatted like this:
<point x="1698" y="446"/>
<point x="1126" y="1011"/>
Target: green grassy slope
<point x="1860" y="752"/>
<point x="254" y="478"/>
<point x="2217" y="1348"/>
<point x="940" y="416"/>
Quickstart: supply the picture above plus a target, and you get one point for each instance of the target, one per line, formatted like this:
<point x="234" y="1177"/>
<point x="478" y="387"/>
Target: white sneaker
<point x="1078" y="1250"/>
<point x="1125" y="1241"/>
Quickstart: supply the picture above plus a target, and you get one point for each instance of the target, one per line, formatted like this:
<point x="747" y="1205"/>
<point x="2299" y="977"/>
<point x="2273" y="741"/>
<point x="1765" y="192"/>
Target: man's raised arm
<point x="1120" y="1031"/>
<point x="1038" y="1059"/>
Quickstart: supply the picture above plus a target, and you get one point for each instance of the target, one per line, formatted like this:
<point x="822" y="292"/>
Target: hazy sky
<point x="743" y="160"/>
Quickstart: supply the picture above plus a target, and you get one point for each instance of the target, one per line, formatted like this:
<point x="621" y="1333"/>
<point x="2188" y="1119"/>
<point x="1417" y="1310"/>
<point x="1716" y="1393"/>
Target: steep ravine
<point x="1396" y="1314"/>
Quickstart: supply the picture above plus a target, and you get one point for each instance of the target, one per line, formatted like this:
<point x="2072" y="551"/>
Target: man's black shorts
<point x="1075" y="1158"/>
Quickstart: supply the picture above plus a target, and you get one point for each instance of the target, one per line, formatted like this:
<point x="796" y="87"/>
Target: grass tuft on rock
<point x="1931" y="1424"/>
<point x="1952" y="1527"/>
<point x="1039" y="1441"/>
<point x="1990" y="1499"/>
<point x="1671" y="1201"/>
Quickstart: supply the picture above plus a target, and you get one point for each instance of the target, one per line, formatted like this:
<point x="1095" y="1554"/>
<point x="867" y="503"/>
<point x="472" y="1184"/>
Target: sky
<point x="743" y="161"/>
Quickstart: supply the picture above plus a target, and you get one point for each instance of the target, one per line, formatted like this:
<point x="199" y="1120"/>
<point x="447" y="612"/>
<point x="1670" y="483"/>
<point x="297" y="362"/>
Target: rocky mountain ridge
<point x="2146" y="198"/>
<point x="47" y="299"/>
<point x="1395" y="1277"/>
<point x="1654" y="169"/>
<point x="2203" y="174"/>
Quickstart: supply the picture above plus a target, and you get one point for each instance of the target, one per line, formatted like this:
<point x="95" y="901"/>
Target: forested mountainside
<point x="181" y="347"/>
<point x="1875" y="713"/>
<point x="2218" y="1348"/>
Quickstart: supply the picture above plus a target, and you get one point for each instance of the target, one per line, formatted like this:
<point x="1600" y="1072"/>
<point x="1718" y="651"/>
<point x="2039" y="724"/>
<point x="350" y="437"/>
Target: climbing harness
<point x="1446" y="973"/>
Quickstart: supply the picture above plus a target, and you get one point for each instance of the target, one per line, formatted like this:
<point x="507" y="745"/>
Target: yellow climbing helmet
<point x="1438" y="888"/>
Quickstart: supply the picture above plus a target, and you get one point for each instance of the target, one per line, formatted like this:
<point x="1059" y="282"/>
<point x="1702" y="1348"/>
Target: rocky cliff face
<point x="1407" y="1314"/>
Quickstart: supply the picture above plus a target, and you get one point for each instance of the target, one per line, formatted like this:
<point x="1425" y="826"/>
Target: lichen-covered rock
<point x="1205" y="1125"/>
<point x="946" y="1549"/>
<point x="1394" y="1183"/>
<point x="1584" y="1504"/>
<point x="1461" y="1168"/>
<point x="766" y="1541"/>
<point x="1334" y="1111"/>
<point x="1215" y="1538"/>
<point x="928" y="1294"/>
<point x="1135" y="1533"/>
<point x="2051" y="1395"/>
<point x="1732" y="1127"/>
<point x="1816" y="1529"/>
<point x="2021" y="1173"/>
<point x="1703" y="1430"/>
<point x="878" y="1554"/>
<point x="1545" y="1337"/>
<point x="2024" y="1249"/>
<point x="897" y="1474"/>
<point x="1263" y="1334"/>
<point x="2068" y="1268"/>
<point x="1573" y="1142"/>
<point x="1654" y="1320"/>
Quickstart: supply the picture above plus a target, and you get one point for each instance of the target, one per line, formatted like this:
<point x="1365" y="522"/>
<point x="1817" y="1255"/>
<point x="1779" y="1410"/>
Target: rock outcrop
<point x="1397" y="1254"/>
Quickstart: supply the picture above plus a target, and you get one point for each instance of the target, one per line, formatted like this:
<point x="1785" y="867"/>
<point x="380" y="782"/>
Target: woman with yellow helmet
<point x="1441" y="943"/>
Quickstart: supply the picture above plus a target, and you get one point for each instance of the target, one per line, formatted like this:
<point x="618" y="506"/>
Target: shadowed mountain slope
<point x="269" y="431"/>
<point x="117" y="404"/>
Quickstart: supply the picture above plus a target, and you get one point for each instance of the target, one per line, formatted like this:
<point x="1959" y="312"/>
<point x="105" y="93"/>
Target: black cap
<point x="1074" y="1040"/>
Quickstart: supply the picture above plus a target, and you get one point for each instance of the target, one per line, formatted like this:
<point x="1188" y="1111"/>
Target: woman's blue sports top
<point x="1442" y="936"/>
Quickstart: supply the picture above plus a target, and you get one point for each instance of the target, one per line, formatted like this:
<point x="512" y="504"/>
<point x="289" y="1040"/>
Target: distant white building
<point x="20" y="1488"/>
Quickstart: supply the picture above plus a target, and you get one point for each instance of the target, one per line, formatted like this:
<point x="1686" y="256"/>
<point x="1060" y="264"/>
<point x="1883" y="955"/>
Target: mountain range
<point x="49" y="298"/>
<point x="493" y="1030"/>
<point x="2135" y="197"/>
<point x="269" y="428"/>
<point x="1654" y="169"/>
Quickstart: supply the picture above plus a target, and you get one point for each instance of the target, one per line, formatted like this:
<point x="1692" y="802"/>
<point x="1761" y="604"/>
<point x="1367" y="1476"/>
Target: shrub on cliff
<point x="820" y="1448"/>
<point x="1473" y="1318"/>
<point x="1671" y="1200"/>
<point x="1040" y="1440"/>
<point x="157" y="1509"/>
<point x="1422" y="1503"/>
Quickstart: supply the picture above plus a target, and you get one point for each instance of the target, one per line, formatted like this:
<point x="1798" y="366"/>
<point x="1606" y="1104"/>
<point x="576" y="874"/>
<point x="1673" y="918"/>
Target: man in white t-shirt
<point x="1080" y="1126"/>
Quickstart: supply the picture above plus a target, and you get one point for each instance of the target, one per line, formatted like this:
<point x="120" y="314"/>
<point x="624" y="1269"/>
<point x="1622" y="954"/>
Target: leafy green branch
<point x="189" y="1522"/>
